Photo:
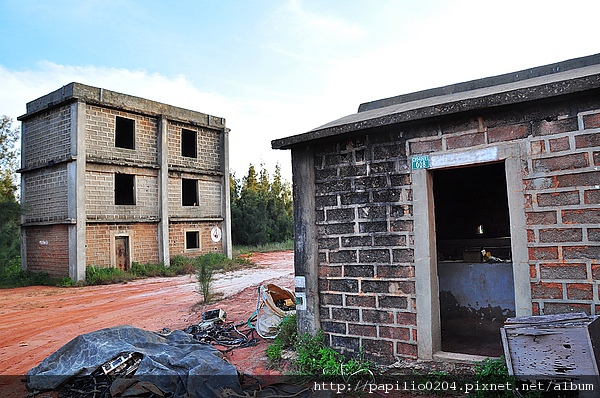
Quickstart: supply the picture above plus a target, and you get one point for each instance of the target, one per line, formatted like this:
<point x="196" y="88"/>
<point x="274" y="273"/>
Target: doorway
<point x="122" y="258"/>
<point x="474" y="259"/>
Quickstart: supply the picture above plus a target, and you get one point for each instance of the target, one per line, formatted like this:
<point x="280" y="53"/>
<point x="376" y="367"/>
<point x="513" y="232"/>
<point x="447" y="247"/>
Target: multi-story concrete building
<point x="108" y="179"/>
<point x="394" y="204"/>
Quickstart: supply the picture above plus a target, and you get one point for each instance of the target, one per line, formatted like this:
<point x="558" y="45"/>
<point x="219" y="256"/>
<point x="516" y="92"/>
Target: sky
<point x="276" y="68"/>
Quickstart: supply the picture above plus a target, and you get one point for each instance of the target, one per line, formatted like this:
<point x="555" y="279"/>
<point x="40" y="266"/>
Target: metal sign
<point x="420" y="162"/>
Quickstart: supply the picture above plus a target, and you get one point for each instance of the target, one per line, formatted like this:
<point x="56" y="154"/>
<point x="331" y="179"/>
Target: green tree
<point x="261" y="210"/>
<point x="10" y="210"/>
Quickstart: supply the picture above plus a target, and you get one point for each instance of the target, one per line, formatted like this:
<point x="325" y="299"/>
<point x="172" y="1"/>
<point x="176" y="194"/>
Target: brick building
<point x="394" y="205"/>
<point x="108" y="179"/>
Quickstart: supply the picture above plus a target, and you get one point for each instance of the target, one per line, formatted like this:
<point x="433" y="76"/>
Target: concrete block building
<point x="424" y="220"/>
<point x="108" y="179"/>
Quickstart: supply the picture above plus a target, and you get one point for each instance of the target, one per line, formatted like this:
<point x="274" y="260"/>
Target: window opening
<point x="189" y="192"/>
<point x="189" y="143"/>
<point x="474" y="257"/>
<point x="124" y="133"/>
<point x="192" y="240"/>
<point x="124" y="189"/>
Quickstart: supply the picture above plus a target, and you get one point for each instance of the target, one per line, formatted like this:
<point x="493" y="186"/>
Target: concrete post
<point x="163" y="191"/>
<point x="306" y="263"/>
<point x="76" y="194"/>
<point x="226" y="199"/>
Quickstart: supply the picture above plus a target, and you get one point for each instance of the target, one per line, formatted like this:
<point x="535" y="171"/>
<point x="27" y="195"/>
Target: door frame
<point x="429" y="341"/>
<point x="113" y="247"/>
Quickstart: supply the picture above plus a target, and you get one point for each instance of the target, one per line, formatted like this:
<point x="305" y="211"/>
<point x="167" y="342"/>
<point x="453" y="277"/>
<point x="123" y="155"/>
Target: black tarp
<point x="176" y="362"/>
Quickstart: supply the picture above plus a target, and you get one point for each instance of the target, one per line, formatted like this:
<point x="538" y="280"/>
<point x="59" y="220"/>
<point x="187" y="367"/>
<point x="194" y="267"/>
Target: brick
<point x="325" y="200"/>
<point x="333" y="327"/>
<point x="339" y="229"/>
<point x="562" y="308"/>
<point x="597" y="158"/>
<point x="558" y="198"/>
<point x="407" y="350"/>
<point x="337" y="185"/>
<point x="402" y="210"/>
<point x="420" y="147"/>
<point x="559" y="144"/>
<point x="342" y="257"/>
<point x="580" y="252"/>
<point x="343" y="285"/>
<point x="382" y="168"/>
<point x="548" y="127"/>
<point x="345" y="314"/>
<point x="329" y="271"/>
<point x="563" y="271"/>
<point x="543" y="290"/>
<point x="561" y="235"/>
<point x="577" y="180"/>
<point x="396" y="333"/>
<point x="325" y="174"/>
<point x="372" y="212"/>
<point x="393" y="302"/>
<point x="395" y="271"/>
<point x="329" y="243"/>
<point x="330" y="299"/>
<point x="507" y="133"/>
<point x="465" y="140"/>
<point x="360" y="301"/>
<point x="591" y="197"/>
<point x="406" y="318"/>
<point x="362" y="330"/>
<point x="387" y="196"/>
<point x="401" y="226"/>
<point x="370" y="227"/>
<point x="389" y="240"/>
<point x="370" y="182"/>
<point x="566" y="162"/>
<point x="403" y="255"/>
<point x="345" y="343"/>
<point x="593" y="234"/>
<point x="581" y="216"/>
<point x="400" y="180"/>
<point x="537" y="147"/>
<point x="371" y="286"/>
<point x="591" y="121"/>
<point x="580" y="291"/>
<point x="339" y="214"/>
<point x="356" y="241"/>
<point x="543" y="253"/>
<point x="359" y="271"/>
<point x="352" y="170"/>
<point x="541" y="218"/>
<point x="374" y="256"/>
<point x="377" y="316"/>
<point x="355" y="198"/>
<point x="379" y="351"/>
<point x="587" y="140"/>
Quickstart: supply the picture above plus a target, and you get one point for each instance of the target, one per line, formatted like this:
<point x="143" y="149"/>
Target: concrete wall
<point x="365" y="221"/>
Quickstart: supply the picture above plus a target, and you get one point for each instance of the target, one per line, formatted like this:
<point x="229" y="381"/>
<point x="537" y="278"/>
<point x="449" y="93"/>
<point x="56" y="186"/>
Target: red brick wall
<point x="143" y="238"/>
<point x="177" y="238"/>
<point x="48" y="249"/>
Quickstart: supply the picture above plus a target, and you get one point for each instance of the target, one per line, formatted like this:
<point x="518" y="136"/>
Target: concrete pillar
<point x="76" y="194"/>
<point x="306" y="265"/>
<point x="429" y="339"/>
<point x="226" y="199"/>
<point x="163" y="191"/>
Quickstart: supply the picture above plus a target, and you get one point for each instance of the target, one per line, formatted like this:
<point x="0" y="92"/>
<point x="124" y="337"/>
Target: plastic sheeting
<point x="176" y="363"/>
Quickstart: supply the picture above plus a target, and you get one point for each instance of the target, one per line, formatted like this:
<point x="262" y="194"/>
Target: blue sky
<point x="278" y="68"/>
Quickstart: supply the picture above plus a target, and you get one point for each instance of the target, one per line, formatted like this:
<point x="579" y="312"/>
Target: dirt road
<point x="35" y="321"/>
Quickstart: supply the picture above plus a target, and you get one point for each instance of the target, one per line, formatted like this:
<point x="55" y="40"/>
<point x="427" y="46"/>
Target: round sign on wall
<point x="215" y="234"/>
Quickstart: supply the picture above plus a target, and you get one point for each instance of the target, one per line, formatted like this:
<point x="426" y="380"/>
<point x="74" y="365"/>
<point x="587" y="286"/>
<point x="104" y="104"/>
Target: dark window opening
<point x="471" y="211"/>
<point x="189" y="192"/>
<point x="124" y="189"/>
<point x="124" y="133"/>
<point x="476" y="293"/>
<point x="192" y="240"/>
<point x="189" y="143"/>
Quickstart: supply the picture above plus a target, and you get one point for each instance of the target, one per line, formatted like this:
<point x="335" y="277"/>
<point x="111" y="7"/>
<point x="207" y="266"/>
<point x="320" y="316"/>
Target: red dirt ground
<point x="36" y="321"/>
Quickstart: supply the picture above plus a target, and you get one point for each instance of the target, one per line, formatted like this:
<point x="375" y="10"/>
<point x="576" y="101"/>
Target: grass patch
<point x="267" y="247"/>
<point x="12" y="276"/>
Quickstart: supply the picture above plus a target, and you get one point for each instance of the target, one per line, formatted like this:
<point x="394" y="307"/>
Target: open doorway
<point x="474" y="259"/>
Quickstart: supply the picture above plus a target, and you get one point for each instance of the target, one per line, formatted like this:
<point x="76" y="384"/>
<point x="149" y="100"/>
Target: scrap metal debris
<point x="216" y="331"/>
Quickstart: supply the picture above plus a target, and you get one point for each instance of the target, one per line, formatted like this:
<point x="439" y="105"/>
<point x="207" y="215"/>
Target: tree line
<point x="261" y="207"/>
